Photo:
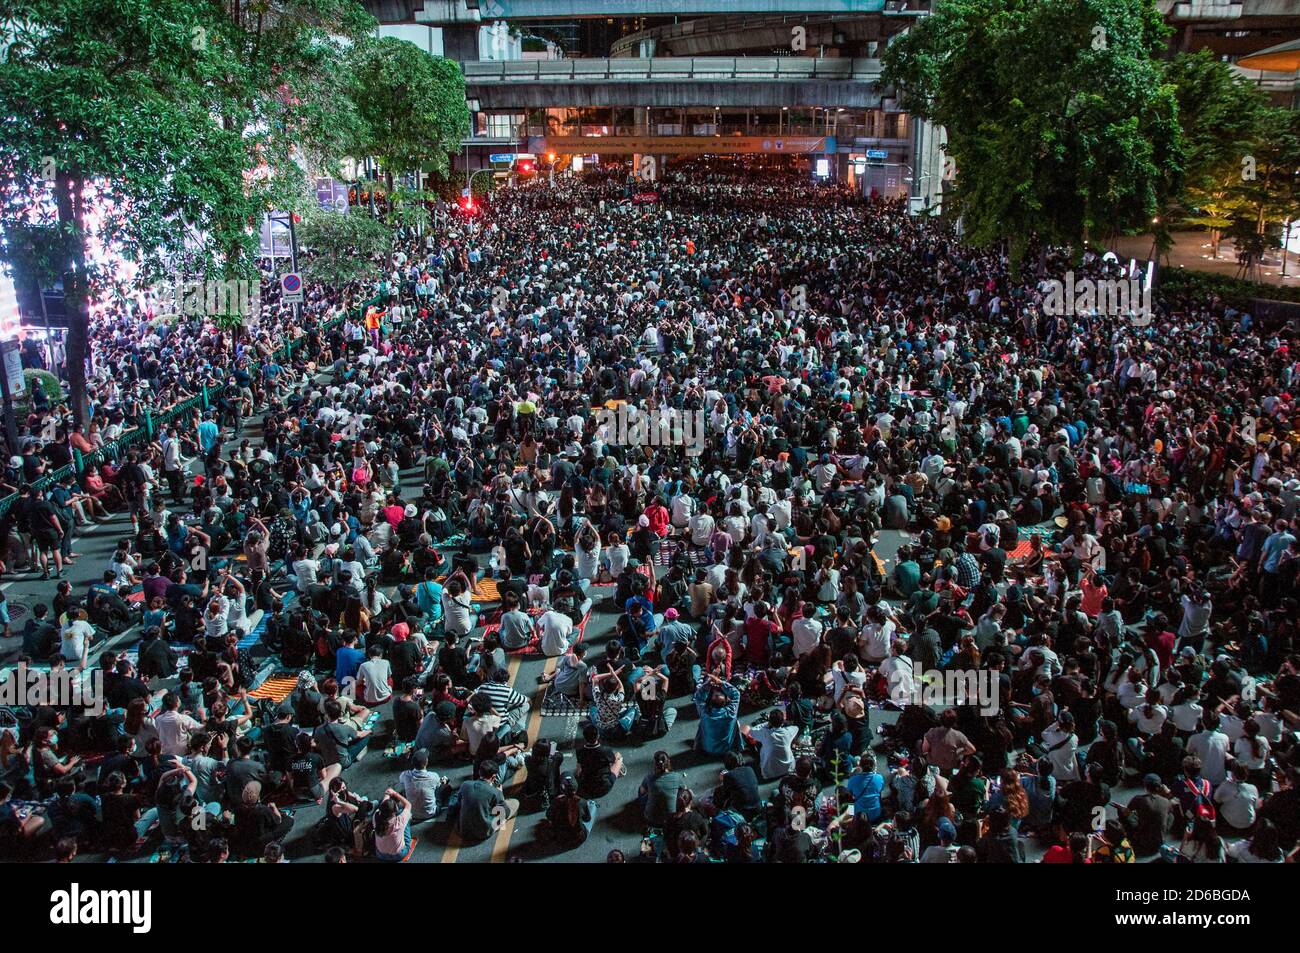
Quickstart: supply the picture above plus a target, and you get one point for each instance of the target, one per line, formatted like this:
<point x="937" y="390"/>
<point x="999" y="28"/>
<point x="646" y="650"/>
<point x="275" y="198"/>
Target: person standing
<point x="173" y="466"/>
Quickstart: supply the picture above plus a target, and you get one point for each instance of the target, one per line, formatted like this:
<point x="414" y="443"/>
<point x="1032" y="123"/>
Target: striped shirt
<point x="504" y="698"/>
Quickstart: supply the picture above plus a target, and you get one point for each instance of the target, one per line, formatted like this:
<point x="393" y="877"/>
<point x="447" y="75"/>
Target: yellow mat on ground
<point x="277" y="688"/>
<point x="485" y="591"/>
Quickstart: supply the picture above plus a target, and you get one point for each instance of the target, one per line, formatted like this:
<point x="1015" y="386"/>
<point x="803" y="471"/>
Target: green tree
<point x="412" y="105"/>
<point x="1059" y="121"/>
<point x="1270" y="196"/>
<point x="291" y="94"/>
<point x="342" y="248"/>
<point x="110" y="103"/>
<point x="1220" y="116"/>
<point x="180" y="121"/>
<point x="407" y="209"/>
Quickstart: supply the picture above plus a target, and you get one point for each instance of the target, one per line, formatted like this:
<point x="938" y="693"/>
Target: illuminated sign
<point x="692" y="145"/>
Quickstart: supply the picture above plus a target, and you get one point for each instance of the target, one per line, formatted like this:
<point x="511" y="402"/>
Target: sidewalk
<point x="1192" y="251"/>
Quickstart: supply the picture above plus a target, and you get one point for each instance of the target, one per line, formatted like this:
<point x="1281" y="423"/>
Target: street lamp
<point x="474" y="106"/>
<point x="469" y="185"/>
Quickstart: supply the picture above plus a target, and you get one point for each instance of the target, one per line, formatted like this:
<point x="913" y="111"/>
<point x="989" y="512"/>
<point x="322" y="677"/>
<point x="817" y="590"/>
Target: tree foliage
<point x="1059" y="119"/>
<point x="342" y="248"/>
<point x="106" y="107"/>
<point x="163" y="130"/>
<point x="411" y="104"/>
<point x="1220" y="116"/>
<point x="292" y="92"/>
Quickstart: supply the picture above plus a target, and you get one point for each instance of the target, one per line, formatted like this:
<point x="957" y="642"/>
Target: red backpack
<point x="1203" y="806"/>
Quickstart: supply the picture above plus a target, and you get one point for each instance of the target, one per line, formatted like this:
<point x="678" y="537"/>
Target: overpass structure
<point x="482" y="11"/>
<point x="708" y="36"/>
<point x="708" y="81"/>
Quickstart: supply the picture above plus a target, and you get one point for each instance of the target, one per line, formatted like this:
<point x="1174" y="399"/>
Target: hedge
<point x="1183" y="283"/>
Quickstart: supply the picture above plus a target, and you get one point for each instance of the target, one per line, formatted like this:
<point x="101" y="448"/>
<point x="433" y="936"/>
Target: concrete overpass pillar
<point x="460" y="42"/>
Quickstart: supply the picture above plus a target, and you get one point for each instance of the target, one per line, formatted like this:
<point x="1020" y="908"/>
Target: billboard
<point x="275" y="242"/>
<point x="330" y="194"/>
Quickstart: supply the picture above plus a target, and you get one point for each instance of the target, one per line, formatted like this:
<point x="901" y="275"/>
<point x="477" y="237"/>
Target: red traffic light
<point x="526" y="167"/>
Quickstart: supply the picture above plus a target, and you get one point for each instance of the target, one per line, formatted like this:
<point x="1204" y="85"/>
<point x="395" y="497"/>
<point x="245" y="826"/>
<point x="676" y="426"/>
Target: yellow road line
<point x="501" y="849"/>
<point x="452" y="850"/>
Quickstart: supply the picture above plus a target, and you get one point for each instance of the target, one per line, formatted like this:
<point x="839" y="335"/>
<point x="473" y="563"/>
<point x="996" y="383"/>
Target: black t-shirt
<point x="841" y="640"/>
<point x="692" y="821"/>
<point x="596" y="763"/>
<point x="23" y="514"/>
<point x="42" y="516"/>
<point x="406" y="718"/>
<point x="122" y="691"/>
<point x="124" y="763"/>
<point x="995" y="562"/>
<point x="157" y="659"/>
<point x="305" y="770"/>
<point x="280" y="747"/>
<point x="741" y="786"/>
<point x="254" y="826"/>
<point x="119" y="813"/>
<point x="791" y="847"/>
<point x="406" y="659"/>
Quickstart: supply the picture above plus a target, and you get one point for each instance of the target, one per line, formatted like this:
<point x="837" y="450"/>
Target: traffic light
<point x="525" y="167"/>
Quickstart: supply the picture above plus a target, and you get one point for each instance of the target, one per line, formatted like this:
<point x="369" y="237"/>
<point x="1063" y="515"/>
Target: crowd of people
<point x="909" y="468"/>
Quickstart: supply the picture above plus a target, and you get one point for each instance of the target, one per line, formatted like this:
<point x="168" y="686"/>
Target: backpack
<point x="722" y="831"/>
<point x="1202" y="806"/>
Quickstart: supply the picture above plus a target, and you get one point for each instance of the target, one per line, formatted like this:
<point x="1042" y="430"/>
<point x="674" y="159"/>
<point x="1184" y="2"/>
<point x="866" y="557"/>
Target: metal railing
<point x="847" y="133"/>
<point x="669" y="68"/>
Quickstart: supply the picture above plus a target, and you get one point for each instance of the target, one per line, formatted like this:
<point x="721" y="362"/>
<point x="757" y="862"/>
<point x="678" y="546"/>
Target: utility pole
<point x="11" y="427"/>
<point x="293" y="260"/>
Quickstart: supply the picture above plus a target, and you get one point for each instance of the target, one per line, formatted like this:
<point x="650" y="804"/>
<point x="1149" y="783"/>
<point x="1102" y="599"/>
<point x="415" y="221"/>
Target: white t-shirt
<point x="1237" y="803"/>
<point x="775" y="755"/>
<point x="1148" y="724"/>
<point x="1240" y="852"/>
<point x="375" y="673"/>
<point x="556" y="629"/>
<point x="618" y="557"/>
<point x="76" y="635"/>
<point x="806" y="633"/>
<point x="455" y="611"/>
<point x="1212" y="748"/>
<point x="174" y="730"/>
